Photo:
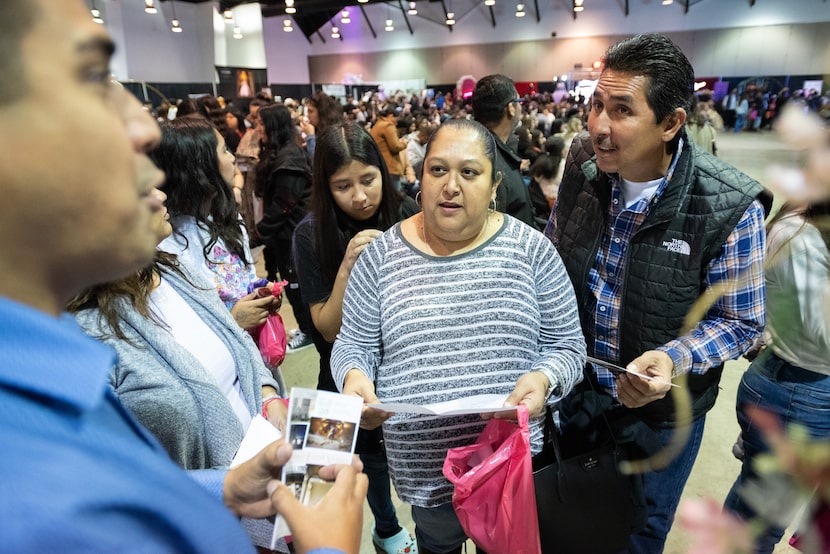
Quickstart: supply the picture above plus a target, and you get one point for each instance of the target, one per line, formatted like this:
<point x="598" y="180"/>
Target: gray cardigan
<point x="169" y="391"/>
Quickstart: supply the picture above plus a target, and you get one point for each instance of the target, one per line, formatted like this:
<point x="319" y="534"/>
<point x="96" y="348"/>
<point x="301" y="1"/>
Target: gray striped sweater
<point x="429" y="329"/>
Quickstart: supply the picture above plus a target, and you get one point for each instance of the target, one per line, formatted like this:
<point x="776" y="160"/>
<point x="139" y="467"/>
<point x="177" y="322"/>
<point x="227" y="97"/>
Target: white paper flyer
<point x="322" y="427"/>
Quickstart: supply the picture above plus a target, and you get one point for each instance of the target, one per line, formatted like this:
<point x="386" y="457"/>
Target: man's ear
<point x="673" y="123"/>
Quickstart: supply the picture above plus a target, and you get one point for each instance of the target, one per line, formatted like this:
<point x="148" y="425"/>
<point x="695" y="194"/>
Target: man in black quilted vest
<point x="645" y="223"/>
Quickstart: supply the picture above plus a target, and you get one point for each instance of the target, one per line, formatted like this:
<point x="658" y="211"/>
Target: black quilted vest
<point x="666" y="258"/>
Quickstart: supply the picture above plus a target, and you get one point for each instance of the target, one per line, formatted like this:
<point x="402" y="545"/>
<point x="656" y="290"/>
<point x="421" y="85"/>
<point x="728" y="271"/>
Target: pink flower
<point x="713" y="530"/>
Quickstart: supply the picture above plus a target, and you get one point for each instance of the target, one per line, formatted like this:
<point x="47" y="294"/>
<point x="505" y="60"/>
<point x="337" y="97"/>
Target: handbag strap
<point x="552" y="439"/>
<point x="551" y="435"/>
<point x="588" y="375"/>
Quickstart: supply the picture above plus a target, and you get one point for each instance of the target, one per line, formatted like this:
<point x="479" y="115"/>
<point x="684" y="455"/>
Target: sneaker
<point x="299" y="341"/>
<point x="399" y="543"/>
<point x="738" y="448"/>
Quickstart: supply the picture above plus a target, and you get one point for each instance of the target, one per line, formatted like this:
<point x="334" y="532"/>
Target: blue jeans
<point x="740" y="121"/>
<point x="795" y="395"/>
<point x="663" y="490"/>
<point x="379" y="494"/>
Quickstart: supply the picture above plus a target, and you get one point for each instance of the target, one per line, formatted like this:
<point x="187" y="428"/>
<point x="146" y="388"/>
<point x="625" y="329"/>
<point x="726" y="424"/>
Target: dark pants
<point x="278" y="261"/>
<point x="729" y="117"/>
<point x="663" y="489"/>
<point x="379" y="494"/>
<point x="438" y="530"/>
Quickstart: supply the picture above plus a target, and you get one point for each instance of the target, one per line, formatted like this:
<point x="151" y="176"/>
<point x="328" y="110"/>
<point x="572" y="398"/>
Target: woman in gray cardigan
<point x="167" y="325"/>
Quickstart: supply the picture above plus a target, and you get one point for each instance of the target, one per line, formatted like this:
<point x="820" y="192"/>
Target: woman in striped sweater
<point x="455" y="301"/>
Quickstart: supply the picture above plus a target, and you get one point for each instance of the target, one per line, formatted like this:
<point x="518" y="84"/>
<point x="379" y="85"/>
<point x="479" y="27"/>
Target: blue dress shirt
<point x="77" y="472"/>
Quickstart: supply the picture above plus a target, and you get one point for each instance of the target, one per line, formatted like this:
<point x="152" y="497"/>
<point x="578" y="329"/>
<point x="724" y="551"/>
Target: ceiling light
<point x="237" y="32"/>
<point x="489" y="2"/>
<point x="344" y="17"/>
<point x="520" y="10"/>
<point x="362" y="1"/>
<point x="450" y="18"/>
<point x="578" y="6"/>
<point x="667" y="2"/>
<point x="286" y="25"/>
<point x="149" y="6"/>
<point x="96" y="15"/>
<point x="389" y="26"/>
<point x="176" y="28"/>
<point x="289" y="7"/>
<point x="335" y="32"/>
<point x="228" y="15"/>
<point x="412" y="9"/>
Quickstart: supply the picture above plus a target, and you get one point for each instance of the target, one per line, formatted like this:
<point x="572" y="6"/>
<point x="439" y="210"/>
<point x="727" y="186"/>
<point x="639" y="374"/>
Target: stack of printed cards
<point x="322" y="428"/>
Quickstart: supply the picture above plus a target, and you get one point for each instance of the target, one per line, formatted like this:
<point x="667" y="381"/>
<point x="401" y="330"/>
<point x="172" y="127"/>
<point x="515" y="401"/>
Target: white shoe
<point x="298" y="342"/>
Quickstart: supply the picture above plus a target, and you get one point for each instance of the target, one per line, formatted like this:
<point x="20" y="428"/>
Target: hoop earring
<point x="493" y="208"/>
<point x="418" y="198"/>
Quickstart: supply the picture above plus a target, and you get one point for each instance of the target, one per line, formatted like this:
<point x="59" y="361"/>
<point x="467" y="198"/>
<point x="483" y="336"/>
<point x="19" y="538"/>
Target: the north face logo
<point x="679" y="246"/>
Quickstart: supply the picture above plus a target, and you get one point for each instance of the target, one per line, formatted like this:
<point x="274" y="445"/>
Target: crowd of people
<point x="432" y="248"/>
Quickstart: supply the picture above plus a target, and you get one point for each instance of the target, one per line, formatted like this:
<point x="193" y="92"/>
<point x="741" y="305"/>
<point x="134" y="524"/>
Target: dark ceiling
<point x="313" y="14"/>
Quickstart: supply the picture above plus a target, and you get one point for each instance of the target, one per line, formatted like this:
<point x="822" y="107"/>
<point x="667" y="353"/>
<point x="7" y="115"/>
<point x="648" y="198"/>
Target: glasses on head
<point x="517" y="100"/>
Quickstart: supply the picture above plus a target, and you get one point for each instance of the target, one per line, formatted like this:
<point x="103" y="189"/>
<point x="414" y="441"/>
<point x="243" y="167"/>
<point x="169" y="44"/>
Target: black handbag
<point x="584" y="503"/>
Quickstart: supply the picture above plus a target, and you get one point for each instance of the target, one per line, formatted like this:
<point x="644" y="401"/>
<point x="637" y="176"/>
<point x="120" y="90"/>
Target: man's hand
<point x="356" y="383"/>
<point x="635" y="392"/>
<point x="340" y="511"/>
<point x="244" y="491"/>
<point x="530" y="390"/>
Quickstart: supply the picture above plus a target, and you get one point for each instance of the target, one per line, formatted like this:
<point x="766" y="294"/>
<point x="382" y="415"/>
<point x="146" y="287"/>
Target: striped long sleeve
<point x="429" y="329"/>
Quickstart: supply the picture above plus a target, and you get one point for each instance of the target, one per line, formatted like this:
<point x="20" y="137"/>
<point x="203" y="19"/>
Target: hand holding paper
<point x="356" y="383"/>
<point x="649" y="380"/>
<point x="477" y="404"/>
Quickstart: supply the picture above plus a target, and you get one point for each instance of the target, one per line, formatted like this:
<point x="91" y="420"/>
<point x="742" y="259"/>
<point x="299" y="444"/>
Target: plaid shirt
<point x="732" y="323"/>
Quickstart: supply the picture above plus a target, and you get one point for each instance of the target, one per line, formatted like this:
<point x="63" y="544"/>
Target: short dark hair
<point x="491" y="95"/>
<point x="16" y="20"/>
<point x="544" y="167"/>
<point x="670" y="74"/>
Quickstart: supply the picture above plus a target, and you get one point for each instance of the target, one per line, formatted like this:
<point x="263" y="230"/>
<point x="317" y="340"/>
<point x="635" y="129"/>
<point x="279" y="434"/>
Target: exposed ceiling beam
<point x="446" y="14"/>
<point x="369" y="23"/>
<point x="405" y="18"/>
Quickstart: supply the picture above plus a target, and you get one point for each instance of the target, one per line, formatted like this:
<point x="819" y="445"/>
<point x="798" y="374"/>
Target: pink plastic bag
<point x="272" y="341"/>
<point x="494" y="496"/>
<point x="270" y="337"/>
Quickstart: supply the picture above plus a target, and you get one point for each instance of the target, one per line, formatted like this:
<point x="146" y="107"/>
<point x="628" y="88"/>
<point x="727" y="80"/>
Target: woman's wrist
<point x="266" y="401"/>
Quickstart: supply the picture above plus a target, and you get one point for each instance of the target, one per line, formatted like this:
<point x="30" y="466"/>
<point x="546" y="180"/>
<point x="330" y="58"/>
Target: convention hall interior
<point x="351" y="48"/>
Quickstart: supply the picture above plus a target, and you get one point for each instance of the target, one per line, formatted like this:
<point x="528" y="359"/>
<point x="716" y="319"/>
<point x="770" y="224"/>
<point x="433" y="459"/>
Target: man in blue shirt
<point x="78" y="473"/>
